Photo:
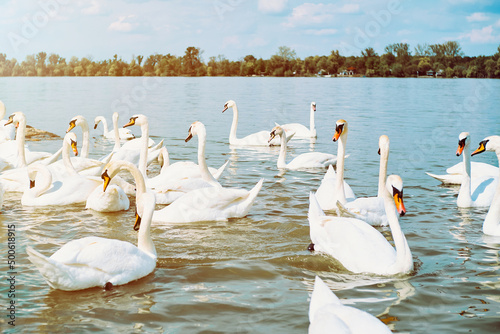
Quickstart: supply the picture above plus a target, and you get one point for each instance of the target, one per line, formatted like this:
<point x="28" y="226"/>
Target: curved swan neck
<point x="283" y="148"/>
<point x="21" y="141"/>
<point x="402" y="249"/>
<point x="382" y="172"/>
<point x="491" y="223"/>
<point x="340" y="169"/>
<point x="144" y="240"/>
<point x="85" y="138"/>
<point x="312" y="126"/>
<point x="205" y="173"/>
<point x="70" y="169"/>
<point x="464" y="194"/>
<point x="116" y="132"/>
<point x="234" y="125"/>
<point x="104" y="124"/>
<point x="43" y="180"/>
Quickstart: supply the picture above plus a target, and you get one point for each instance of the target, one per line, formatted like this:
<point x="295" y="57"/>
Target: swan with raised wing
<point x="357" y="245"/>
<point x="301" y="131"/>
<point x="327" y="314"/>
<point x="333" y="187"/>
<point x="303" y="161"/>
<point x="255" y="139"/>
<point x="101" y="262"/>
<point x="479" y="191"/>
<point x="491" y="224"/>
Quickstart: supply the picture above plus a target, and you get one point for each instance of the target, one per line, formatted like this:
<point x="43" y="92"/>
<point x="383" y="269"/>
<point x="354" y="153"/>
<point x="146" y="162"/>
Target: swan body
<point x="454" y="174"/>
<point x="333" y="188"/>
<point x="358" y="246"/>
<point x="124" y="134"/>
<point x="95" y="261"/>
<point x="112" y="200"/>
<point x="256" y="139"/>
<point x="491" y="224"/>
<point x="478" y="192"/>
<point x="212" y="202"/>
<point x="301" y="131"/>
<point x="7" y="132"/>
<point x="303" y="161"/>
<point x="328" y="315"/>
<point x="371" y="209"/>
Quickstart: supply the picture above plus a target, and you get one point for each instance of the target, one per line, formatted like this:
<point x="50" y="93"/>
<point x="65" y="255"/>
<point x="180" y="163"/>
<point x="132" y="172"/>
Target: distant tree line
<point x="398" y="60"/>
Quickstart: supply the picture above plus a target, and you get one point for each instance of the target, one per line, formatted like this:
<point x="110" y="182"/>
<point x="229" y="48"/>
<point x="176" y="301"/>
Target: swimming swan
<point x="100" y="262"/>
<point x="255" y="139"/>
<point x="358" y="246"/>
<point x="301" y="131"/>
<point x="371" y="209"/>
<point x="491" y="223"/>
<point x="214" y="203"/>
<point x="328" y="315"/>
<point x="478" y="192"/>
<point x="303" y="161"/>
<point x="124" y="134"/>
<point x="333" y="188"/>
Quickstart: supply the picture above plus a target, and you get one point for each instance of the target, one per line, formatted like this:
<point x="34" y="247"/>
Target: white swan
<point x="81" y="122"/>
<point x="371" y="209"/>
<point x="71" y="189"/>
<point x="303" y="161"/>
<point x="480" y="191"/>
<point x="16" y="153"/>
<point x="124" y="134"/>
<point x="7" y="132"/>
<point x="333" y="188"/>
<point x="491" y="224"/>
<point x="328" y="315"/>
<point x="100" y="262"/>
<point x="358" y="246"/>
<point x="256" y="139"/>
<point x="301" y="131"/>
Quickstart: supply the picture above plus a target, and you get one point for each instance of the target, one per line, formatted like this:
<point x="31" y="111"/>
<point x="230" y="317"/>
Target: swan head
<point x="76" y="121"/>
<point x="491" y="143"/>
<point x="394" y="186"/>
<point x="97" y="120"/>
<point x="16" y="118"/>
<point x="138" y="119"/>
<point x="228" y="104"/>
<point x="313" y="106"/>
<point x="276" y="131"/>
<point x="383" y="144"/>
<point x="463" y="140"/>
<point x="340" y="129"/>
<point x="70" y="139"/>
<point x="196" y="128"/>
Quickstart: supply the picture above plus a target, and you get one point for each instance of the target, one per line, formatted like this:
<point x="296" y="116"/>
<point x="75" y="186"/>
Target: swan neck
<point x="402" y="249"/>
<point x="382" y="172"/>
<point x="491" y="223"/>
<point x="21" y="140"/>
<point x="43" y="181"/>
<point x="340" y="169"/>
<point x="144" y="148"/>
<point x="234" y="125"/>
<point x="202" y="162"/>
<point x="116" y="133"/>
<point x="144" y="240"/>
<point x="464" y="195"/>
<point x="282" y="155"/>
<point x="70" y="169"/>
<point x="105" y="125"/>
<point x="312" y="126"/>
<point x="85" y="139"/>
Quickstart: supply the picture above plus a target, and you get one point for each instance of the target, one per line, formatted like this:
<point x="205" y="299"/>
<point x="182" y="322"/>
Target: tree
<point x="191" y="61"/>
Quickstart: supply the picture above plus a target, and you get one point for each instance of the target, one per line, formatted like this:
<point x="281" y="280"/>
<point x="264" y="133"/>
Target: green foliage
<point x="397" y="61"/>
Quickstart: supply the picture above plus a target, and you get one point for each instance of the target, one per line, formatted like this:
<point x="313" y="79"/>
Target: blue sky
<point x="236" y="28"/>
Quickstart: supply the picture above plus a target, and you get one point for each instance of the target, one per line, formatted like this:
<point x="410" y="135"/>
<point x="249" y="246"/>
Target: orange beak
<point x="400" y="206"/>
<point x="460" y="148"/>
<point x="481" y="148"/>
<point x="75" y="149"/>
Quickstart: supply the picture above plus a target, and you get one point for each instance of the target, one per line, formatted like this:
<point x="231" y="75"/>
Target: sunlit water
<point x="255" y="275"/>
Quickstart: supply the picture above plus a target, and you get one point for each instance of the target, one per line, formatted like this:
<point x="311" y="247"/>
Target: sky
<point x="236" y="28"/>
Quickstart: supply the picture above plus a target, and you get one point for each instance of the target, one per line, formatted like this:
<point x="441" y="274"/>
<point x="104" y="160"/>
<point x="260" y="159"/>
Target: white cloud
<point x="123" y="24"/>
<point x="485" y="35"/>
<point x="272" y="6"/>
<point x="477" y="17"/>
<point x="309" y="13"/>
<point x="321" y="32"/>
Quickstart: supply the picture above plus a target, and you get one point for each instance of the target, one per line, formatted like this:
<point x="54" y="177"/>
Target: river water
<point x="254" y="274"/>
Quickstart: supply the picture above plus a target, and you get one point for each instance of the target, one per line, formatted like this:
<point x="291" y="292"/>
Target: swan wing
<point x="312" y="160"/>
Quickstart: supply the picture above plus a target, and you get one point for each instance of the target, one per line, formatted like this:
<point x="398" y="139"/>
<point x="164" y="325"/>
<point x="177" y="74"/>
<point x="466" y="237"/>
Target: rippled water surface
<point x="255" y="275"/>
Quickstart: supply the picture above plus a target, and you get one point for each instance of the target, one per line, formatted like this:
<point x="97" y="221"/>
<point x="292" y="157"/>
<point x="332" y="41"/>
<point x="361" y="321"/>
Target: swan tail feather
<point x="221" y="169"/>
<point x="314" y="207"/>
<point x="344" y="212"/>
<point x="252" y="194"/>
<point x="157" y="146"/>
<point x="56" y="274"/>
